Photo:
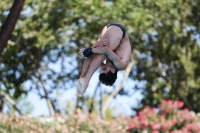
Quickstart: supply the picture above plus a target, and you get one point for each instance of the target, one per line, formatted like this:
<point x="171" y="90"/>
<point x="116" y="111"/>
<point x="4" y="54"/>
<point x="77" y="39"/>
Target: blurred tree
<point x="24" y="105"/>
<point x="1" y="103"/>
<point x="5" y="33"/>
<point x="168" y="53"/>
<point x="9" y="24"/>
<point x="38" y="34"/>
<point x="163" y="36"/>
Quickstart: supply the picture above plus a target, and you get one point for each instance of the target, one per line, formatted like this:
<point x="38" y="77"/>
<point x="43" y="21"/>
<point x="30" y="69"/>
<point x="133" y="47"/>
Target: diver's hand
<point x="101" y="43"/>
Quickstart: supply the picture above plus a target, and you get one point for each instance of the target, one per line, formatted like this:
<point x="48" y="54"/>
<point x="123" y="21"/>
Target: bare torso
<point x="121" y="46"/>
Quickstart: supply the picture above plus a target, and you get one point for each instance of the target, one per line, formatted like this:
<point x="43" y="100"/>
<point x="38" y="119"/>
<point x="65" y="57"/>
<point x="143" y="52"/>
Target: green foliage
<point x="24" y="105"/>
<point x="169" y="54"/>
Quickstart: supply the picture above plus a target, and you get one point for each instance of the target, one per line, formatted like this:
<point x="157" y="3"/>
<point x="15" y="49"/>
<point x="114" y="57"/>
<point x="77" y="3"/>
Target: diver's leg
<point x="87" y="61"/>
<point x="86" y="65"/>
<point x="84" y="81"/>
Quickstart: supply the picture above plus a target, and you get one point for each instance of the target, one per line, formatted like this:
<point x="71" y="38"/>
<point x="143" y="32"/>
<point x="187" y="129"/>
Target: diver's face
<point x="105" y="68"/>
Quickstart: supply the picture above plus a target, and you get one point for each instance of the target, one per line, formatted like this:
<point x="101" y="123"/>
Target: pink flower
<point x="171" y="114"/>
<point x="163" y="102"/>
<point x="155" y="126"/>
<point x="155" y="131"/>
<point x="180" y="120"/>
<point x="180" y="104"/>
<point x="195" y="118"/>
<point x="177" y="131"/>
<point x="131" y="125"/>
<point x="174" y="120"/>
<point x="144" y="122"/>
<point x="165" y="127"/>
<point x="186" y="110"/>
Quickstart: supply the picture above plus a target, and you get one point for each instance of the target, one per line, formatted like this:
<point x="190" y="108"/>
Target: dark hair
<point x="108" y="78"/>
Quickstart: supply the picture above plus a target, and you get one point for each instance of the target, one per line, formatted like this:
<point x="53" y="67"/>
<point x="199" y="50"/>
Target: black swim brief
<point x="120" y="26"/>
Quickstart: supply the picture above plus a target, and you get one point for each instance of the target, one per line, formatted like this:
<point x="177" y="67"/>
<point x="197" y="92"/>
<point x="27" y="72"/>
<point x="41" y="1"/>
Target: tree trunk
<point x="117" y="89"/>
<point x="9" y="25"/>
<point x="1" y="103"/>
<point x="48" y="100"/>
<point x="91" y="107"/>
<point x="12" y="102"/>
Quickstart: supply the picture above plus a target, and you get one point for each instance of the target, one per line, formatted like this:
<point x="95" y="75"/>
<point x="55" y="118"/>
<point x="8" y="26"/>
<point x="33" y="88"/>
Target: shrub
<point x="168" y="117"/>
<point x="74" y="123"/>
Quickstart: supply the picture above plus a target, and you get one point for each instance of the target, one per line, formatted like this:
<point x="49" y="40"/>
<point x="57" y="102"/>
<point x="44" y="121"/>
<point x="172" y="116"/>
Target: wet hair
<point x="108" y="78"/>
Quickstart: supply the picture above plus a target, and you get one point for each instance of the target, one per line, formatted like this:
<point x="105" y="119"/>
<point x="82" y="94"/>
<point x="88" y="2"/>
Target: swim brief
<point x="120" y="26"/>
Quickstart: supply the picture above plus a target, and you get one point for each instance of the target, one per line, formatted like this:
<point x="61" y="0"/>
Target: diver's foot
<point x="80" y="88"/>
